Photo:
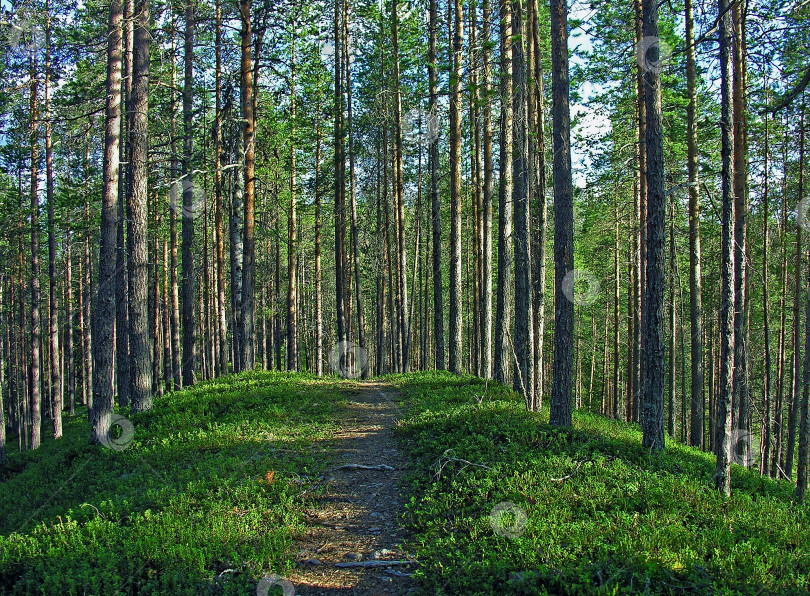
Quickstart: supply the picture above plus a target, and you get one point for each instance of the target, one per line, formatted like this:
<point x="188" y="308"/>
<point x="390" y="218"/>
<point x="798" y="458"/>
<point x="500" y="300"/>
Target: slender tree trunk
<point x="539" y="236"/>
<point x="123" y="378"/>
<point x="740" y="400"/>
<point x="105" y="312"/>
<point x="804" y="416"/>
<point x="695" y="297"/>
<point x="189" y="277"/>
<point x="56" y="373"/>
<point x="438" y="304"/>
<point x="793" y="410"/>
<point x="523" y="338"/>
<point x="486" y="231"/>
<point x="141" y="365"/>
<point x="69" y="360"/>
<point x="249" y="249"/>
<point x="218" y="226"/>
<point x="456" y="322"/>
<point x="35" y="392"/>
<point x="641" y="210"/>
<point x="653" y="322"/>
<point x="505" y="206"/>
<point x="318" y="281"/>
<point x="561" y="390"/>
<point x="767" y="388"/>
<point x="358" y="286"/>
<point x="340" y="222"/>
<point x="292" y="240"/>
<point x="722" y="474"/>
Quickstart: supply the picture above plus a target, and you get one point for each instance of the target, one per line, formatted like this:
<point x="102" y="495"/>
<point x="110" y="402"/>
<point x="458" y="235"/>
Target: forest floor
<point x="353" y="543"/>
<point x="273" y="483"/>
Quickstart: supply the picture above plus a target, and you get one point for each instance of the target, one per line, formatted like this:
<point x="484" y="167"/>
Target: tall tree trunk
<point x="105" y="312"/>
<point x="292" y="240"/>
<point x="399" y="195"/>
<point x="524" y="341"/>
<point x="505" y="207"/>
<point x="56" y="373"/>
<point x="486" y="215"/>
<point x="793" y="410"/>
<point x="189" y="280"/>
<point x="456" y="322"/>
<point x="249" y="249"/>
<point x="653" y="322"/>
<point x="804" y="415"/>
<point x="35" y="394"/>
<point x="122" y="364"/>
<point x="767" y="388"/>
<point x="340" y="205"/>
<point x="641" y="211"/>
<point x="222" y="365"/>
<point x="695" y="297"/>
<point x="561" y="389"/>
<point x="433" y="83"/>
<point x="141" y="365"/>
<point x="175" y="294"/>
<point x="318" y="281"/>
<point x="68" y="351"/>
<point x="539" y="236"/>
<point x="740" y="400"/>
<point x="358" y="286"/>
<point x="722" y="474"/>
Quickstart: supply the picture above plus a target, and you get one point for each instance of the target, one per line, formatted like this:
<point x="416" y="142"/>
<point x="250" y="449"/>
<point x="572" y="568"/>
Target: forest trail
<point x="352" y="527"/>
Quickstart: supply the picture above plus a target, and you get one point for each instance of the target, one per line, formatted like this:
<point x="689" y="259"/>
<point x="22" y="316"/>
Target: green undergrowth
<point x="626" y="521"/>
<point x="204" y="500"/>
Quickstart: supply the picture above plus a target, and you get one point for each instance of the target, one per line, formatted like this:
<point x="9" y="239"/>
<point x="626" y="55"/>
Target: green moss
<point x="627" y="521"/>
<point x="186" y="502"/>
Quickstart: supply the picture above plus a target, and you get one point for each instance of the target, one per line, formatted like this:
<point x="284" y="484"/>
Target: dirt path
<point x="353" y="543"/>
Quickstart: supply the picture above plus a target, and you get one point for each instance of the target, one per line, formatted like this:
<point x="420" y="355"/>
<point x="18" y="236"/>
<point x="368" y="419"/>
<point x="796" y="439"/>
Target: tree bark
<point x="141" y="365"/>
<point x="456" y="322"/>
<point x="505" y="207"/>
<point x="189" y="210"/>
<point x="56" y="373"/>
<point x="105" y="312"/>
<point x="722" y="474"/>
<point x="695" y="292"/>
<point x="35" y="391"/>
<point x="653" y="322"/>
<point x="561" y="388"/>
<point x="247" y="90"/>
<point x="524" y="328"/>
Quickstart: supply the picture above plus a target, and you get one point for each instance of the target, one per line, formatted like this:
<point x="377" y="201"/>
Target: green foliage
<point x="203" y="501"/>
<point x="625" y="522"/>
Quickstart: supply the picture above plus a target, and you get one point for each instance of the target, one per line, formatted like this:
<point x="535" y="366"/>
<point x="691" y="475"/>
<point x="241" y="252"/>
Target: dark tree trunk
<point x="722" y="474"/>
<point x="561" y="388"/>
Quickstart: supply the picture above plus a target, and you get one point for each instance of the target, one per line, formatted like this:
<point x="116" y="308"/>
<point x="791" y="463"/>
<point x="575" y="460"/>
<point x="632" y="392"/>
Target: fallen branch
<point x="450" y="455"/>
<point x="374" y="563"/>
<point x="580" y="463"/>
<point x="365" y="467"/>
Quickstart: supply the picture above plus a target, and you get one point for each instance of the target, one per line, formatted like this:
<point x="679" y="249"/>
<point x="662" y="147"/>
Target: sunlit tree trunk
<point x="505" y="207"/>
<point x="35" y="391"/>
<point x="138" y="261"/>
<point x="722" y="474"/>
<point x="695" y="296"/>
<point x="247" y="90"/>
